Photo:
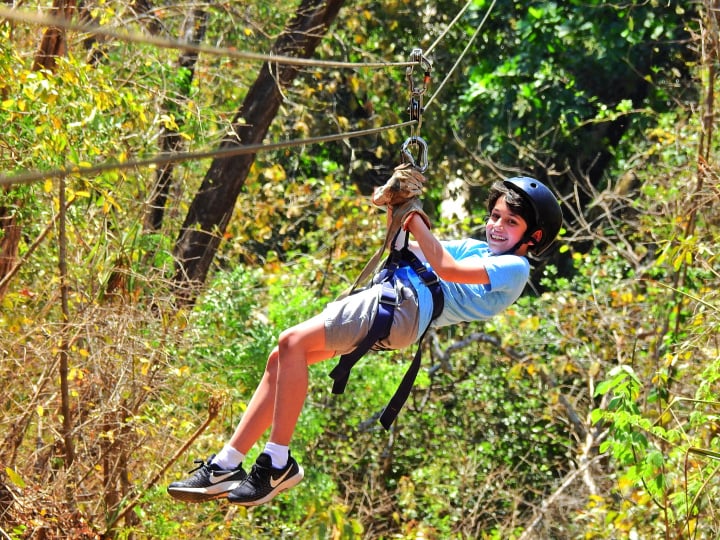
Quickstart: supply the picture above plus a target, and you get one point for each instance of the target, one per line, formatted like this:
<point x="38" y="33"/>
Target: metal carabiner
<point x="422" y="164"/>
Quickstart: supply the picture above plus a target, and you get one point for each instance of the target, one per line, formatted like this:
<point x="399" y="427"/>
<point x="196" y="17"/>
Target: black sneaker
<point x="209" y="482"/>
<point x="265" y="481"/>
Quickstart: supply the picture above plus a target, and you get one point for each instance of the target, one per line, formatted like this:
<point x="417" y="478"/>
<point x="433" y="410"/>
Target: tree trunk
<point x="53" y="42"/>
<point x="9" y="242"/>
<point x="212" y="207"/>
<point x="51" y="46"/>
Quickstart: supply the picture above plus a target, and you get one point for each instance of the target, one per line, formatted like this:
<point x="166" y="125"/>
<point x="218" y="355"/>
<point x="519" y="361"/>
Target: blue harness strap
<point x="380" y="329"/>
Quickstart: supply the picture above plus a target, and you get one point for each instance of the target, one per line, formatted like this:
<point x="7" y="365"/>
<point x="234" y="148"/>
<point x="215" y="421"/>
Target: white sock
<point x="228" y="458"/>
<point x="278" y="454"/>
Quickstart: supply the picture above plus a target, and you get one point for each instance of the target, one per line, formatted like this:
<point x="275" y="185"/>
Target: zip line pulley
<point x="415" y="110"/>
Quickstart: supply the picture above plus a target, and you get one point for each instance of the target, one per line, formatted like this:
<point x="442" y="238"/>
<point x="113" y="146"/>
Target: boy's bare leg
<point x="258" y="415"/>
<point x="279" y="398"/>
<point x="300" y="346"/>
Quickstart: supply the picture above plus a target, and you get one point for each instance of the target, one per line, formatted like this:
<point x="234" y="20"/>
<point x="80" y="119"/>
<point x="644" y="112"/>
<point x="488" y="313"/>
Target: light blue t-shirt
<point x="463" y="302"/>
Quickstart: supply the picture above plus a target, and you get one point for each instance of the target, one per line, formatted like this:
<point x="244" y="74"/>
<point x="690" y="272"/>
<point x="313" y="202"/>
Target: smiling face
<point x="504" y="229"/>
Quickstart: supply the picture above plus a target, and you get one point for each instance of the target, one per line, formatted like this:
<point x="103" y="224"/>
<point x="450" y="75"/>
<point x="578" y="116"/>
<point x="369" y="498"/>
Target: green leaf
<point x="604" y="387"/>
<point x="535" y="12"/>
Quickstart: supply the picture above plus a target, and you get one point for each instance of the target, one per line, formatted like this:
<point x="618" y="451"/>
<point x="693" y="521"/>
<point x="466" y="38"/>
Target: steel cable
<point x="177" y="157"/>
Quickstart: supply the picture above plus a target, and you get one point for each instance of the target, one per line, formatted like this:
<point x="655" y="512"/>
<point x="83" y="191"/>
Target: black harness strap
<point x="403" y="390"/>
<point x="380" y="329"/>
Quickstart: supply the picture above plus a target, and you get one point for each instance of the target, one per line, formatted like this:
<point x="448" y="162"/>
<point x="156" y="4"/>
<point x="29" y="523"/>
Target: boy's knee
<point x="286" y="340"/>
<point x="272" y="361"/>
<point x="290" y="340"/>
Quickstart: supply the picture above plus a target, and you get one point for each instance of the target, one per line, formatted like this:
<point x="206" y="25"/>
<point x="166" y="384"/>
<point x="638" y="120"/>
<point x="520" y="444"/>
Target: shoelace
<point x="200" y="464"/>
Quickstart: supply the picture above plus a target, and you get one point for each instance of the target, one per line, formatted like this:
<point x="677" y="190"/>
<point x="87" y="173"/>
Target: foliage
<point x="661" y="408"/>
<point x="592" y="405"/>
<point x="530" y="52"/>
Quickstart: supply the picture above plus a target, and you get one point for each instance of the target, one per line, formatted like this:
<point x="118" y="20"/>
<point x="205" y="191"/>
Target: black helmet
<point x="548" y="216"/>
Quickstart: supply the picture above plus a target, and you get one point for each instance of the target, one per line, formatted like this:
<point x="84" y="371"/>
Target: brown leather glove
<point x="405" y="183"/>
<point x="401" y="213"/>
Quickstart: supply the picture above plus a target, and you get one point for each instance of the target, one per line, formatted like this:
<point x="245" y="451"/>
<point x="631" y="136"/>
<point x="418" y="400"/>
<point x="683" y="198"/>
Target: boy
<point x="478" y="280"/>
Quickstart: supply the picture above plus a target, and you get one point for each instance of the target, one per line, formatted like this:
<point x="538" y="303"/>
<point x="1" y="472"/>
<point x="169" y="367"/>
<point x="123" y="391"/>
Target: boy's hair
<point x="516" y="203"/>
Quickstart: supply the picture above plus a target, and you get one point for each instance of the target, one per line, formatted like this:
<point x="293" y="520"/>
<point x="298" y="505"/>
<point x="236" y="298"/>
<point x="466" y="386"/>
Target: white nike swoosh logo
<point x="215" y="478"/>
<point x="274" y="483"/>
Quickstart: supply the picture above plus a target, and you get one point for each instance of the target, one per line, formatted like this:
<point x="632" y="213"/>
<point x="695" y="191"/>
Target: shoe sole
<point x="287" y="484"/>
<point x="200" y="495"/>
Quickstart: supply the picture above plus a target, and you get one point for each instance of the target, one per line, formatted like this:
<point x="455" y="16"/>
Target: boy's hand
<point x="405" y="183"/>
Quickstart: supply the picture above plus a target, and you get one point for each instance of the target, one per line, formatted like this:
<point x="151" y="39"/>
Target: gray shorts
<point x="347" y="321"/>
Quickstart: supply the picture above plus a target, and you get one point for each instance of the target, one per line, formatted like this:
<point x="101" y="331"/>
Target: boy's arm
<point x="444" y="265"/>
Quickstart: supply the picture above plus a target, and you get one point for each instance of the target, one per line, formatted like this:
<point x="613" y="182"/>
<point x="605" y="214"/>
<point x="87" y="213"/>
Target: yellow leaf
<point x="14" y="477"/>
<point x="624" y="484"/>
<point x="531" y="323"/>
<point x="40" y="410"/>
<point x="343" y="122"/>
<point x="48" y="186"/>
<point x="354" y="84"/>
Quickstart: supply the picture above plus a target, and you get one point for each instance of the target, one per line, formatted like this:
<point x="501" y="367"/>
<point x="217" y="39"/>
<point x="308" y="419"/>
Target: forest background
<point x="160" y="224"/>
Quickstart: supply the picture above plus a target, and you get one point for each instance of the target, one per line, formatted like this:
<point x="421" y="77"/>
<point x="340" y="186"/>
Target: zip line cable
<point x="416" y="108"/>
<point x="442" y="35"/>
<point x="177" y="157"/>
<point x="465" y="50"/>
<point x="60" y="22"/>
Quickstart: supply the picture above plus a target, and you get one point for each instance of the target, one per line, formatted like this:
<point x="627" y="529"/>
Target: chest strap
<point x="380" y="329"/>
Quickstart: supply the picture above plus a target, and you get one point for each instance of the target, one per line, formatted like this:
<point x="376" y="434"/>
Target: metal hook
<point x="423" y="155"/>
<point x="417" y="56"/>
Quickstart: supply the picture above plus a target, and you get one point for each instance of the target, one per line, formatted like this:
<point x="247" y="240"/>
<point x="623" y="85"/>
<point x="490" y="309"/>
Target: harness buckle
<point x="388" y="295"/>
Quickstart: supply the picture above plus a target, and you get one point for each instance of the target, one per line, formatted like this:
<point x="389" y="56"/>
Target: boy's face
<point x="504" y="228"/>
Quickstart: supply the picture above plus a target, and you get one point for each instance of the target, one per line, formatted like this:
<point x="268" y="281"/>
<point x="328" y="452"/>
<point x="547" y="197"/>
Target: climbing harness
<point x="415" y="110"/>
<point x="380" y="328"/>
<point x="386" y="279"/>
